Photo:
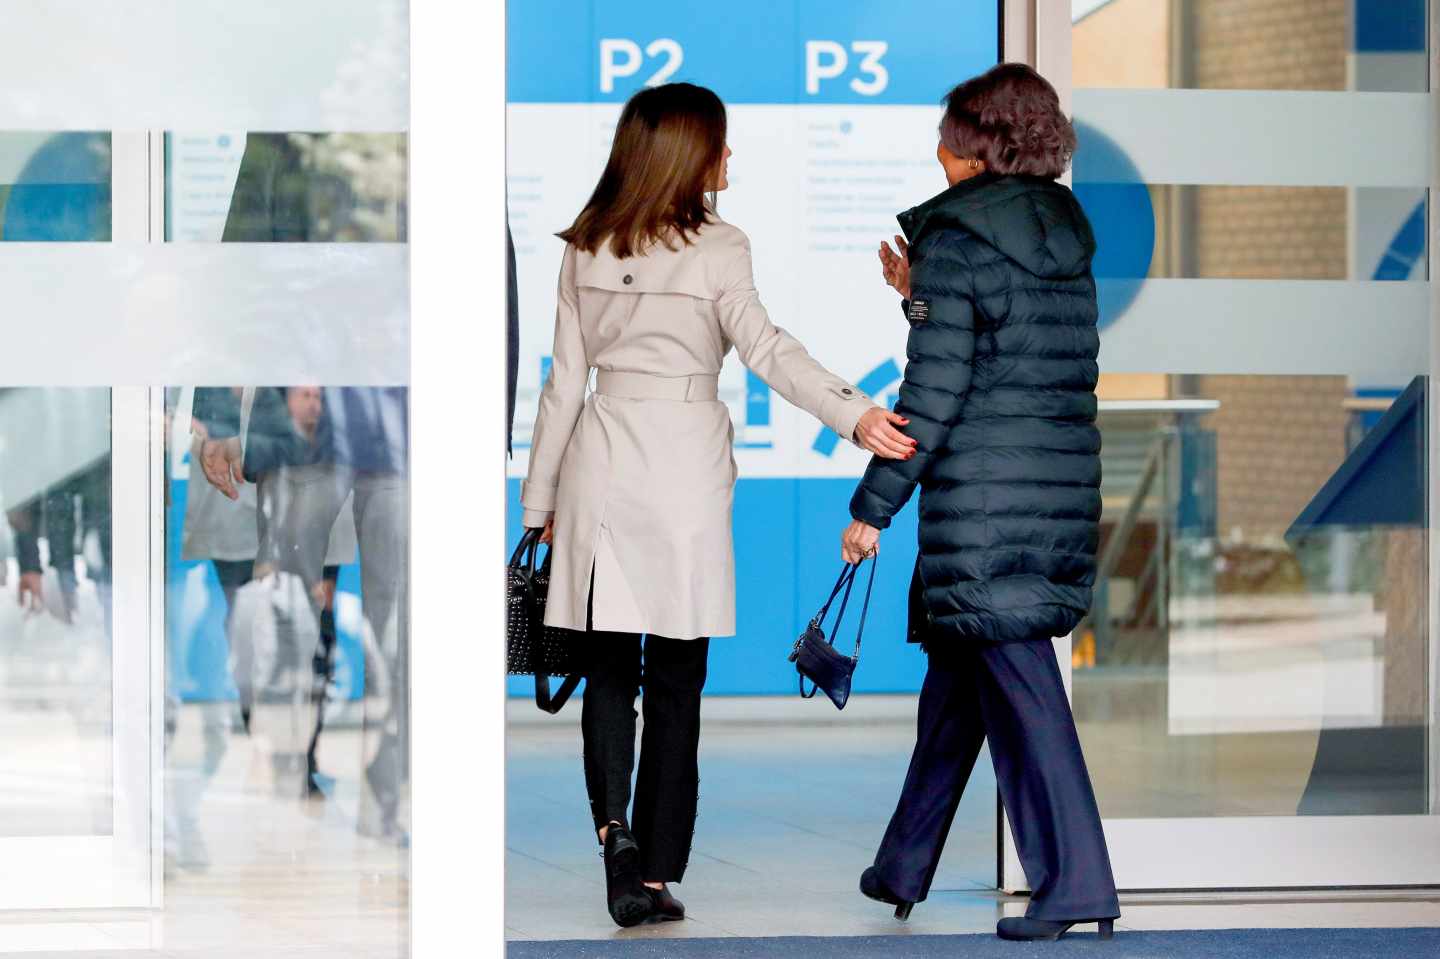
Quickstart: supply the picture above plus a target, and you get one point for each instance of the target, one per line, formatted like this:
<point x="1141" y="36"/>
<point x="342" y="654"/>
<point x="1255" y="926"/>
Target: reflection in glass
<point x="1373" y="45"/>
<point x="55" y="613"/>
<point x="54" y="186"/>
<point x="1257" y="645"/>
<point x="240" y="187"/>
<point x="288" y="590"/>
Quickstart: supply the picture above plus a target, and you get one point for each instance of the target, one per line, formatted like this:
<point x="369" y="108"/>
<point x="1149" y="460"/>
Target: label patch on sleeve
<point x="919" y="311"/>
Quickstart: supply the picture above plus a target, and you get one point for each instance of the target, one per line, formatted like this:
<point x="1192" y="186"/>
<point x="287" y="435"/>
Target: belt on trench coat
<point x="701" y="388"/>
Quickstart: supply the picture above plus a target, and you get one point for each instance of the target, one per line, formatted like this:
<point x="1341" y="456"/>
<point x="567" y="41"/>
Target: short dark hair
<point x="1010" y="118"/>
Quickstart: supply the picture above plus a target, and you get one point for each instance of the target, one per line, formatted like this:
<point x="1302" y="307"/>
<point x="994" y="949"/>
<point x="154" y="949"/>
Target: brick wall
<point x="1268" y="44"/>
<point x="1280" y="438"/>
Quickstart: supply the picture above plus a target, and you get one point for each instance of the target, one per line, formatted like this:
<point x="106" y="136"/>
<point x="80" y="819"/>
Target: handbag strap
<point x="851" y="572"/>
<point x="530" y="543"/>
<point x="553" y="704"/>
<point x="865" y="608"/>
<point x="845" y="581"/>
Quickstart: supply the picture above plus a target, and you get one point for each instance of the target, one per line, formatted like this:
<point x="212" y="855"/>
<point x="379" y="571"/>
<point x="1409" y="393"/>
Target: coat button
<point x="629" y="279"/>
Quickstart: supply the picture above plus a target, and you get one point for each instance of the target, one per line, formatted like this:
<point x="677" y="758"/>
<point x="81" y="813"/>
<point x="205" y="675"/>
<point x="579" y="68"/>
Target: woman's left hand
<point x="859" y="541"/>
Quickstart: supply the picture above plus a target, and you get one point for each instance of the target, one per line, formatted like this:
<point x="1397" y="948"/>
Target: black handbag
<point x="531" y="647"/>
<point x="816" y="658"/>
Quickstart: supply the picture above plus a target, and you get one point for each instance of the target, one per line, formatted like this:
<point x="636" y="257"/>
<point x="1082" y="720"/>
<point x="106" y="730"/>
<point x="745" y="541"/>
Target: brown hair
<point x="668" y="145"/>
<point x="1010" y="118"/>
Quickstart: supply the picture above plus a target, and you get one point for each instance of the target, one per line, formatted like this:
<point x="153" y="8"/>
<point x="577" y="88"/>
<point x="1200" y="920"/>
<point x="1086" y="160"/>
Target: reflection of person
<point x="636" y="484"/>
<point x="53" y="514"/>
<point x="1000" y="393"/>
<point x="230" y="533"/>
<point x="316" y="448"/>
<point x="218" y="530"/>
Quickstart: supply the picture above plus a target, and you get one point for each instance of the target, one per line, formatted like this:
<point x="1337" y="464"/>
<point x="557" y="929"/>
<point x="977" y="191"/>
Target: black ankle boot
<point x="630" y="901"/>
<point x="874" y="887"/>
<point x="1024" y="929"/>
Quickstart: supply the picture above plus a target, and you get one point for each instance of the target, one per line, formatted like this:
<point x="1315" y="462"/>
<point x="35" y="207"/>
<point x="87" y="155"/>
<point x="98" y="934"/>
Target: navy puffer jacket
<point x="1000" y="393"/>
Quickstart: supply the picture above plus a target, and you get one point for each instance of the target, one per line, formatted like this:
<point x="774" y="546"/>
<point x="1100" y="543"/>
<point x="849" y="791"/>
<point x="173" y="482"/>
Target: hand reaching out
<point x="876" y="432"/>
<point x="221" y="461"/>
<point x="896" y="266"/>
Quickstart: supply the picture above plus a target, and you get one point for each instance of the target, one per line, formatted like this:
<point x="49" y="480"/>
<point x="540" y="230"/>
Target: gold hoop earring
<point x="974" y="164"/>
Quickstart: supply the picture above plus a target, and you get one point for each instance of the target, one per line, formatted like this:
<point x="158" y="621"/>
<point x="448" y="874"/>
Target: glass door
<point x="80" y="662"/>
<point x="80" y="667"/>
<point x="182" y="216"/>
<point x="1255" y="687"/>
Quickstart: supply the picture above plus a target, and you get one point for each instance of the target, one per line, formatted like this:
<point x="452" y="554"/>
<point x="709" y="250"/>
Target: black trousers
<point x="667" y="787"/>
<point x="1012" y="694"/>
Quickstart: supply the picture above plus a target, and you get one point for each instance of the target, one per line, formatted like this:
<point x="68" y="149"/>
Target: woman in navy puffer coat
<point x="999" y="393"/>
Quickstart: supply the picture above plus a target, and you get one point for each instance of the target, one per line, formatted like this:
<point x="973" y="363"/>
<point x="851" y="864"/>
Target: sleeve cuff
<point x="860" y="510"/>
<point x="846" y="415"/>
<point x="537" y="498"/>
<point x="535" y="518"/>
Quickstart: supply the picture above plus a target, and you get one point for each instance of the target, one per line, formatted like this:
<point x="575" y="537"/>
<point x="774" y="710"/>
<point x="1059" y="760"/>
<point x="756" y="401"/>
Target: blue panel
<point x="1389" y="26"/>
<point x="1382" y="481"/>
<point x="787" y="553"/>
<point x="753" y="661"/>
<point x="748" y="51"/>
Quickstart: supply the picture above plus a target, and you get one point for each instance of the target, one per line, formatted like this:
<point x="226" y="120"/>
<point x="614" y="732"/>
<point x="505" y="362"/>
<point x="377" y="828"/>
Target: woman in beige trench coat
<point x="635" y="482"/>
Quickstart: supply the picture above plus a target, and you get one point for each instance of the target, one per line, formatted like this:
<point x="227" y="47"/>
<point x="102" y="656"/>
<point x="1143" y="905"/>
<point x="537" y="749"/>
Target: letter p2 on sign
<point x="613" y="68"/>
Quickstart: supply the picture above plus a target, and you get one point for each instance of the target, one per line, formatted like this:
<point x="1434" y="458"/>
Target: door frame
<point x="1313" y="852"/>
<point x="126" y="868"/>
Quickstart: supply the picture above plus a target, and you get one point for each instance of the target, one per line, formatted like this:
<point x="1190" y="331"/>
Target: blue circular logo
<point x="1117" y="202"/>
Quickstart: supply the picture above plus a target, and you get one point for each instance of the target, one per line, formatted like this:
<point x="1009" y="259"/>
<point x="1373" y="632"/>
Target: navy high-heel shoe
<point x="873" y="888"/>
<point x="1022" y="929"/>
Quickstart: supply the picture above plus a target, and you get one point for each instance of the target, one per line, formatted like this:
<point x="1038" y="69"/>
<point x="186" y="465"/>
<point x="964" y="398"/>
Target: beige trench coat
<point x="639" y="474"/>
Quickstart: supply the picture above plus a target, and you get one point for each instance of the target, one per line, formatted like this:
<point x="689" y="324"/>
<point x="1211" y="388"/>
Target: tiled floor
<point x="791" y="812"/>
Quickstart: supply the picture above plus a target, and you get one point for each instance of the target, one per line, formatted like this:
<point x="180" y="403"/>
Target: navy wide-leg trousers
<point x="1013" y="694"/>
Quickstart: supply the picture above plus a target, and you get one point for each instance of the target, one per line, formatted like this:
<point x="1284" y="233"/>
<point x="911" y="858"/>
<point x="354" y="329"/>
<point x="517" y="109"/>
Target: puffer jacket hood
<point x="1035" y="222"/>
<point x="999" y="392"/>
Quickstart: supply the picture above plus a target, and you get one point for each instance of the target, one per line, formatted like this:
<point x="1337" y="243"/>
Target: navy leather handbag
<point x="815" y="656"/>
